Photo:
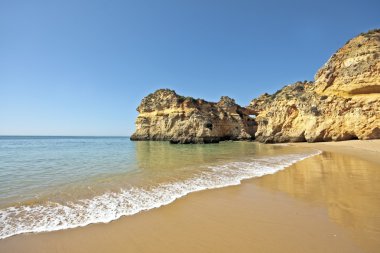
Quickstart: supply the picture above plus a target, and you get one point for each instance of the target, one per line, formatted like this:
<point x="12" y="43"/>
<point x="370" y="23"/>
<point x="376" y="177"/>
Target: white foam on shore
<point x="113" y="205"/>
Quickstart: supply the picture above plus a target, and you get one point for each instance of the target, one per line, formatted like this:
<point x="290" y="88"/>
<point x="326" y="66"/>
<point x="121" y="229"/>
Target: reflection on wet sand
<point x="347" y="186"/>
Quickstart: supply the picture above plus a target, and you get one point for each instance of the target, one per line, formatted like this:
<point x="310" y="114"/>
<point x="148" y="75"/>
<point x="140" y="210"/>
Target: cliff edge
<point x="342" y="103"/>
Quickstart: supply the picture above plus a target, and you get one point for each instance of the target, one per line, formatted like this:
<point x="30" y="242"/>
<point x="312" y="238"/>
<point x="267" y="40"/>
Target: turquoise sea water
<point x="52" y="183"/>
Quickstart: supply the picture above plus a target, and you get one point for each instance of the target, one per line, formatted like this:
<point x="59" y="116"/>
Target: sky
<point x="81" y="67"/>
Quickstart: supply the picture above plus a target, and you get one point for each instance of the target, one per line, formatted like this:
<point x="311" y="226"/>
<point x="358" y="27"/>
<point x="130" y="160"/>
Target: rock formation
<point x="165" y="115"/>
<point x="354" y="69"/>
<point x="342" y="103"/>
<point x="298" y="113"/>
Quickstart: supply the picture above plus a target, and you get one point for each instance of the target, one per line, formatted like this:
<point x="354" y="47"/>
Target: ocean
<point x="54" y="183"/>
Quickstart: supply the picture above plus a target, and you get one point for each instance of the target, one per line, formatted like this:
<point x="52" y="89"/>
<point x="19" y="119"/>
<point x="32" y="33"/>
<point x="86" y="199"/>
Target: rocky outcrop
<point x="354" y="69"/>
<point x="165" y="115"/>
<point x="298" y="113"/>
<point x="342" y="104"/>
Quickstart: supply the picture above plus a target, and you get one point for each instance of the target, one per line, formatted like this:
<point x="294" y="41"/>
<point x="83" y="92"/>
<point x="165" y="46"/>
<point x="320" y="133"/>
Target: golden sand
<point x="327" y="203"/>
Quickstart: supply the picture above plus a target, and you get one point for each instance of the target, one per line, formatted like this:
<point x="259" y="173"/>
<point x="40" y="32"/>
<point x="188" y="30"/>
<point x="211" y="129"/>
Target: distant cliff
<point x="167" y="116"/>
<point x="342" y="103"/>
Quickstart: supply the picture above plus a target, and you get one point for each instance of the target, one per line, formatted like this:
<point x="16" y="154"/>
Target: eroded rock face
<point x="165" y="115"/>
<point x="298" y="113"/>
<point x="343" y="103"/>
<point x="354" y="69"/>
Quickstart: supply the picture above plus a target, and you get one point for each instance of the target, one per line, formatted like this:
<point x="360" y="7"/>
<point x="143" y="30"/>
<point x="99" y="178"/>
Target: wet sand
<point x="327" y="203"/>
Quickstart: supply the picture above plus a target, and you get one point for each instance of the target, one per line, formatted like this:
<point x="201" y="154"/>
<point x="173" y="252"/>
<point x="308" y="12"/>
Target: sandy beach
<point x="190" y="127"/>
<point x="326" y="203"/>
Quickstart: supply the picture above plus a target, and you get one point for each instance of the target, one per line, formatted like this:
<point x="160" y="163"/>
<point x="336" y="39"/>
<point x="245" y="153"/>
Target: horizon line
<point x="31" y="135"/>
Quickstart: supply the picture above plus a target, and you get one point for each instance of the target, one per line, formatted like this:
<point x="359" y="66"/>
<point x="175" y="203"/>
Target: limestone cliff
<point x="298" y="113"/>
<point x="354" y="69"/>
<point x="343" y="103"/>
<point x="165" y="115"/>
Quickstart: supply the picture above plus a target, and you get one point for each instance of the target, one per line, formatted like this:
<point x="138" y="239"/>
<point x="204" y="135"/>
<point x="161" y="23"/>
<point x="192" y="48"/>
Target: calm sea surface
<point x="52" y="183"/>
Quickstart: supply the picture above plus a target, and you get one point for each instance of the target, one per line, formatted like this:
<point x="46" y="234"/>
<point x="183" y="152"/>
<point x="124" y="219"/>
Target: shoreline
<point x="138" y="199"/>
<point x="363" y="149"/>
<point x="214" y="217"/>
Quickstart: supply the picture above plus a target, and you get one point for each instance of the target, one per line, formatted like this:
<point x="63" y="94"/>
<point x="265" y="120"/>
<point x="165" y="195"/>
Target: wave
<point x="113" y="205"/>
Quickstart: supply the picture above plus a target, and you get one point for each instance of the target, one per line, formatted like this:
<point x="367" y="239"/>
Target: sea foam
<point x="113" y="205"/>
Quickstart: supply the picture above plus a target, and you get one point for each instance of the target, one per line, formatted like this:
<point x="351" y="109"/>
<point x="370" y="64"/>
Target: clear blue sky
<point x="81" y="67"/>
